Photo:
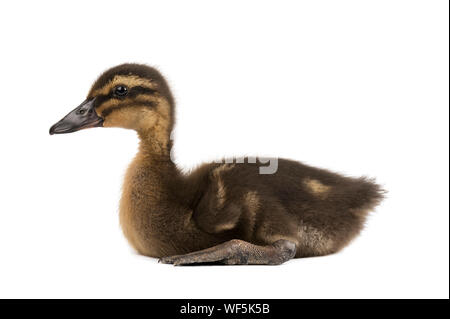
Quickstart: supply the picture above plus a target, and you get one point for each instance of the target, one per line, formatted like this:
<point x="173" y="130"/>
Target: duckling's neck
<point x="154" y="145"/>
<point x="154" y="161"/>
<point x="149" y="192"/>
<point x="153" y="170"/>
<point x="153" y="165"/>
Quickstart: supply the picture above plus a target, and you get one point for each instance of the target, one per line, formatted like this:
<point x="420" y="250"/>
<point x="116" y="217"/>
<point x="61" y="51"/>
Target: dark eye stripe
<point x="134" y="92"/>
<point x="137" y="90"/>
<point x="100" y="99"/>
<point x="109" y="110"/>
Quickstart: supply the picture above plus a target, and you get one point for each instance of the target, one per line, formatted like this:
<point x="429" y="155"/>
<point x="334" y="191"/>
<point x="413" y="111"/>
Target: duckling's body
<point x="221" y="212"/>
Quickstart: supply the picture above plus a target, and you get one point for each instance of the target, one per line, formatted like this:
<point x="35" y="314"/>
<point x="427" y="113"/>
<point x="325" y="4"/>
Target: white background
<point x="359" y="87"/>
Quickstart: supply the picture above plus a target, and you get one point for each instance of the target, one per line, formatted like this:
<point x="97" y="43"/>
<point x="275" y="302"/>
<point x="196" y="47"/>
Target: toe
<point x="183" y="261"/>
<point x="167" y="260"/>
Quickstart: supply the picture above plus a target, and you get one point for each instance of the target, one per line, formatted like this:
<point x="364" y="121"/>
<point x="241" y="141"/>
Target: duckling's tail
<point x="362" y="195"/>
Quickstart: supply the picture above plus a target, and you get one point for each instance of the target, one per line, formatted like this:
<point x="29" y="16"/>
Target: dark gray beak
<point x="84" y="116"/>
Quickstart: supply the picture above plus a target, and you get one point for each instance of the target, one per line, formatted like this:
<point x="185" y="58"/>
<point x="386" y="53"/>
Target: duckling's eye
<point x="120" y="90"/>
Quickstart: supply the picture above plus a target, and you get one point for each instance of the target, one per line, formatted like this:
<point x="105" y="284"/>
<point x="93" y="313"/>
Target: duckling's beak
<point x="84" y="116"/>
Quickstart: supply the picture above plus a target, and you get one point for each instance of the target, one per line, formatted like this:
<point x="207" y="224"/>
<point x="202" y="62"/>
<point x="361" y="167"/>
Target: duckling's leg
<point x="238" y="252"/>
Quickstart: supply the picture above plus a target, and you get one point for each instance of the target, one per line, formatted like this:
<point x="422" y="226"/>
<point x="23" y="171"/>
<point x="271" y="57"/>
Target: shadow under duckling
<point x="225" y="213"/>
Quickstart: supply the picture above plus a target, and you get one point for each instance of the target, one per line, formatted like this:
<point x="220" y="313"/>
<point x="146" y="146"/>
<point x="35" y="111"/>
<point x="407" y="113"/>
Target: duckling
<point x="226" y="213"/>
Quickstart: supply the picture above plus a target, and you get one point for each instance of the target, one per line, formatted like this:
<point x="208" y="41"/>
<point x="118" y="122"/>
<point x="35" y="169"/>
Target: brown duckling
<point x="226" y="213"/>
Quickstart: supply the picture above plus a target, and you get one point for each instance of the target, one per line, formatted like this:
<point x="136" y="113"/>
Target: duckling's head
<point x="132" y="96"/>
